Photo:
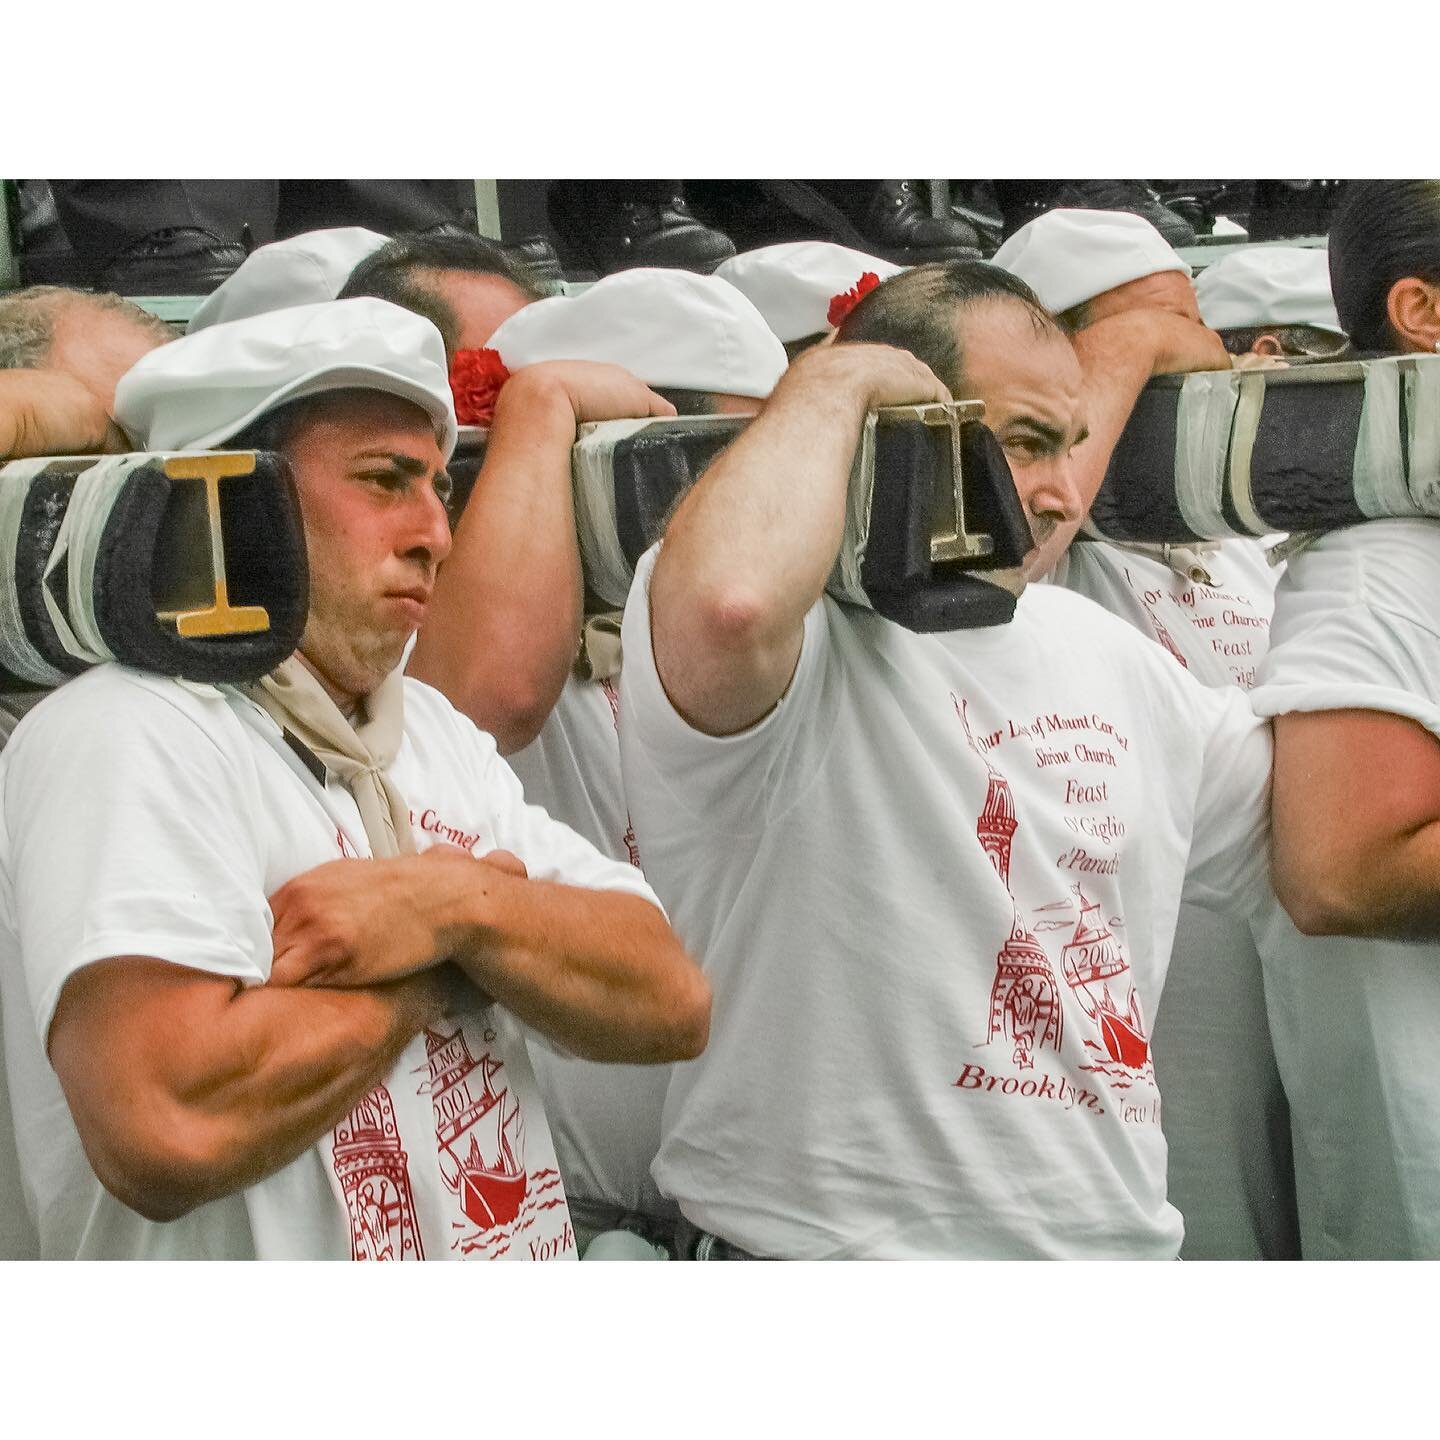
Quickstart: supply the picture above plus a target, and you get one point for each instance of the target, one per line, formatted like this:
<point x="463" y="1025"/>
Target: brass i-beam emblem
<point x="202" y="525"/>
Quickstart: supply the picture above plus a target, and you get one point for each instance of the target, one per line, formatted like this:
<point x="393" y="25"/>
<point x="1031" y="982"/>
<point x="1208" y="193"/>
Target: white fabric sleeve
<point x="736" y="782"/>
<point x="1229" y="865"/>
<point x="1357" y="626"/>
<point x="128" y="831"/>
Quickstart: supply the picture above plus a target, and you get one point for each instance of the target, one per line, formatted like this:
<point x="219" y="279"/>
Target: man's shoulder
<point x="110" y="699"/>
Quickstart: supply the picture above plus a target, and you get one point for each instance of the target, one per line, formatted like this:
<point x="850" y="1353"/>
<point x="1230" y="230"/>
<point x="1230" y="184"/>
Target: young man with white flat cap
<point x="804" y="287"/>
<point x="266" y="1000"/>
<point x="502" y="639"/>
<point x="1272" y="300"/>
<point x="1226" y="1119"/>
<point x="303" y="270"/>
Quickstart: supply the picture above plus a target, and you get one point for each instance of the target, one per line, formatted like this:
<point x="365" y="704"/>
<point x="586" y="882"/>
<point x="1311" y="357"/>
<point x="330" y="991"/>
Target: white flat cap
<point x="669" y="327"/>
<point x="792" y="285"/>
<point x="197" y="392"/>
<point x="1069" y="256"/>
<point x="300" y="271"/>
<point x="1268" y="285"/>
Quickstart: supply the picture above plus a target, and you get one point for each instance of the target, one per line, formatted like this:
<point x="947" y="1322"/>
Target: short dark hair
<point x="1297" y="340"/>
<point x="915" y="311"/>
<point x="395" y="272"/>
<point x="1383" y="231"/>
<point x="276" y="428"/>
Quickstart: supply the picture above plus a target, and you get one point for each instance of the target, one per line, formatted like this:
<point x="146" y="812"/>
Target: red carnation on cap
<point x="475" y="380"/>
<point x="843" y="303"/>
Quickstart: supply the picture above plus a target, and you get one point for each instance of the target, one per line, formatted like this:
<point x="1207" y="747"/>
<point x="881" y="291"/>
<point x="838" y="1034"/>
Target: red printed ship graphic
<point x="1091" y="960"/>
<point x="374" y="1176"/>
<point x="477" y="1130"/>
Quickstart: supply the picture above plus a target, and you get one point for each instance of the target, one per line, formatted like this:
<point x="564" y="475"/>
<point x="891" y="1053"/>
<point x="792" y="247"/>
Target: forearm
<point x="505" y="620"/>
<point x="234" y="1091"/>
<point x="599" y="972"/>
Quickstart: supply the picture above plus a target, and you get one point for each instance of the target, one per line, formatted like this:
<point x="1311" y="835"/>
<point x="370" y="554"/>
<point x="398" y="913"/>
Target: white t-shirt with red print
<point x="1357" y="626"/>
<point x="934" y="891"/>
<point x="159" y="830"/>
<point x="605" y="1118"/>
<point x="1226" y="1120"/>
<point x="1218" y="632"/>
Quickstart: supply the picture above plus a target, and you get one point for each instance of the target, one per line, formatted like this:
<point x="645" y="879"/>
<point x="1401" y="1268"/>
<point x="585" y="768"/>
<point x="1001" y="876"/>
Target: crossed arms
<point x="185" y="1087"/>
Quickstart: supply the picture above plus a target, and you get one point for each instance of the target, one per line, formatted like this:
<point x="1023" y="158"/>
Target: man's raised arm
<point x="750" y="548"/>
<point x="1120" y="355"/>
<point x="504" y="623"/>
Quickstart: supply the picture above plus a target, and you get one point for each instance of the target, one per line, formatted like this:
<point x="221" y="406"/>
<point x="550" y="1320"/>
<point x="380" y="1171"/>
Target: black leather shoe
<point x="1133" y="196"/>
<point x="180" y="261"/>
<point x="901" y="229"/>
<point x="632" y="233"/>
<point x="537" y="255"/>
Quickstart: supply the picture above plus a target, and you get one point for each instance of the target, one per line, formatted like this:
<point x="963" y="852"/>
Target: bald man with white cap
<point x="1226" y="1121"/>
<point x="275" y="982"/>
<point x="502" y="641"/>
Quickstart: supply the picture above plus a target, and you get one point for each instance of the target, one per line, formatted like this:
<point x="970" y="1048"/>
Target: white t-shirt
<point x="605" y="1118"/>
<point x="161" y="833"/>
<point x="1218" y="632"/>
<point x="1226" y="1121"/>
<point x="1357" y="626"/>
<point x="934" y="891"/>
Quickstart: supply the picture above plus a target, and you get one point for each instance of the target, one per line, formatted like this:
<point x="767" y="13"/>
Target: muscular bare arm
<point x="1356" y="824"/>
<point x="750" y="548"/>
<point x="598" y="971"/>
<point x="504" y="624"/>
<point x="185" y="1088"/>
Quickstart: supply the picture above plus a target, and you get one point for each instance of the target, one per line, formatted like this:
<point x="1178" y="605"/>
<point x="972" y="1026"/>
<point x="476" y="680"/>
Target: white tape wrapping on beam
<point x="96" y="490"/>
<point x="17" y="654"/>
<point x="592" y="474"/>
<point x="1248" y="411"/>
<point x="1422" y="413"/>
<point x="1202" y="447"/>
<point x="1380" y="485"/>
<point x="844" y="582"/>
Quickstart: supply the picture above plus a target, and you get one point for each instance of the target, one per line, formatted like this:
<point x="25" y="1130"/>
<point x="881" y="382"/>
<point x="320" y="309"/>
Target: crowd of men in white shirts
<point x="748" y="924"/>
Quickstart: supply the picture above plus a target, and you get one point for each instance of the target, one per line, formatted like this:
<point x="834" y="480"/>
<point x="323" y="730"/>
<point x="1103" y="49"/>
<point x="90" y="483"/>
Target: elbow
<point x="1319" y="905"/>
<point x="688" y="1030"/>
<point x="733" y="620"/>
<point x="160" y="1177"/>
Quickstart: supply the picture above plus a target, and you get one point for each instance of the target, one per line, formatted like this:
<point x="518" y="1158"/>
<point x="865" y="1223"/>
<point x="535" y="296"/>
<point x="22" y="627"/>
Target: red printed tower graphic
<point x="476" y="1130"/>
<point x="608" y="686"/>
<point x="1025" y="998"/>
<point x="374" y="1177"/>
<point x="1091" y="961"/>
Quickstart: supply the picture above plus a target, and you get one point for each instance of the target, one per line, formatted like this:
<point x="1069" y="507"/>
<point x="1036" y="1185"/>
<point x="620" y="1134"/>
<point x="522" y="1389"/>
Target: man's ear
<point x="1413" y="309"/>
<point x="1267" y="345"/>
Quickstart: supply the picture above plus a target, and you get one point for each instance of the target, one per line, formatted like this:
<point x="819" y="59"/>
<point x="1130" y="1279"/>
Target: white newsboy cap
<point x="1069" y="256"/>
<point x="669" y="327"/>
<point x="199" y="391"/>
<point x="1268" y="285"/>
<point x="792" y="285"/>
<point x="300" y="271"/>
